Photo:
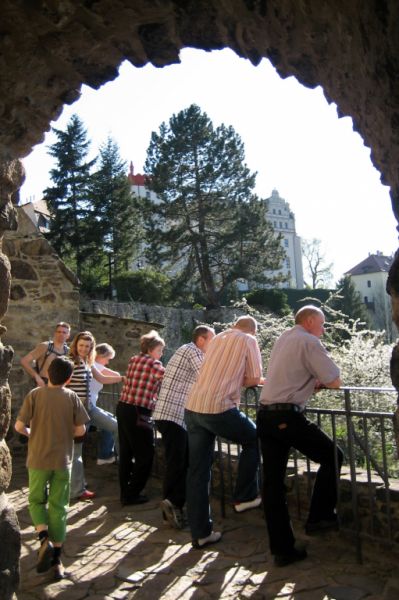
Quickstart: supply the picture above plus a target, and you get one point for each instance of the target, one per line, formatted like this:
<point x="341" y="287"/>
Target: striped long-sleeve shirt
<point x="231" y="356"/>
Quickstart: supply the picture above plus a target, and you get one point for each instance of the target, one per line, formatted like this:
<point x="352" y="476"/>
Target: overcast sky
<point x="292" y="137"/>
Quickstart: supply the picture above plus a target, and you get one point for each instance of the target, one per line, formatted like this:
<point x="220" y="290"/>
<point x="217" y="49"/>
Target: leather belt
<point x="282" y="406"/>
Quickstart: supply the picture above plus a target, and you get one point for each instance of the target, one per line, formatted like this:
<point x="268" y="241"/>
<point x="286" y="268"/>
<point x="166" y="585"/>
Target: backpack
<point x="50" y="350"/>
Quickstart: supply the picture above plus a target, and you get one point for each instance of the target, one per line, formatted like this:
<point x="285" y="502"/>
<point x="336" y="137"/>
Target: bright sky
<point x="292" y="136"/>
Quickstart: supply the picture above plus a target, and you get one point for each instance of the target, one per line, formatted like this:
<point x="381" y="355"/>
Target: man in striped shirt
<point x="232" y="361"/>
<point x="180" y="374"/>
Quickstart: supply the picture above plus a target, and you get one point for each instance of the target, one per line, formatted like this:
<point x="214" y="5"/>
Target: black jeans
<point x="279" y="431"/>
<point x="174" y="439"/>
<point x="136" y="448"/>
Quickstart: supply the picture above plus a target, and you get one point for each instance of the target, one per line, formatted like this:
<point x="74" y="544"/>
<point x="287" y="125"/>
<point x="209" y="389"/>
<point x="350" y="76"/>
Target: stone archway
<point x="48" y="49"/>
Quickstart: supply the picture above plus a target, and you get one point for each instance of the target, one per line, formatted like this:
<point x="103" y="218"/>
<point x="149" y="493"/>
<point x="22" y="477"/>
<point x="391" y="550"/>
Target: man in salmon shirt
<point x="233" y="360"/>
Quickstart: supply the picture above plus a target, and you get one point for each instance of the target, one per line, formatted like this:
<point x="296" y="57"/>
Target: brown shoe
<point x="58" y="571"/>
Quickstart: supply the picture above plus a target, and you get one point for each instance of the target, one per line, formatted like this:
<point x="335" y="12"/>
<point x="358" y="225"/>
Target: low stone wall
<point x="378" y="508"/>
<point x="177" y="323"/>
<point x="122" y="333"/>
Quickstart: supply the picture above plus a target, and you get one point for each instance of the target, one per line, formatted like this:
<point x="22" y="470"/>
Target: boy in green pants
<point x="51" y="417"/>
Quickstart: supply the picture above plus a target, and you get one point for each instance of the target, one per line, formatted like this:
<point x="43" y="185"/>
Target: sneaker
<point x="58" y="571"/>
<point x="87" y="495"/>
<point x="106" y="461"/>
<point x="212" y="538"/>
<point x="172" y="514"/>
<point x="296" y="554"/>
<point x="240" y="507"/>
<point x="140" y="499"/>
<point x="321" y="526"/>
<point x="45" y="556"/>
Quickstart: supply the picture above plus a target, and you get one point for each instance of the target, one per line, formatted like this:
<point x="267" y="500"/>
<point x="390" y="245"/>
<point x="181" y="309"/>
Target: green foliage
<point x="208" y="226"/>
<point x="297" y="298"/>
<point x="117" y="219"/>
<point x="274" y="300"/>
<point x="71" y="232"/>
<point x="94" y="277"/>
<point x="147" y="285"/>
<point x="95" y="225"/>
<point x="348" y="303"/>
<point x="186" y="334"/>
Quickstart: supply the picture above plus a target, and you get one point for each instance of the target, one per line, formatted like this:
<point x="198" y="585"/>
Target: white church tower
<point x="283" y="221"/>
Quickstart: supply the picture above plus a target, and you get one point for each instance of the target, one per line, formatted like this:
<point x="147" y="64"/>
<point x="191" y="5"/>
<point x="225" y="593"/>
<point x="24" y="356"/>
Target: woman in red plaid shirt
<point x="133" y="412"/>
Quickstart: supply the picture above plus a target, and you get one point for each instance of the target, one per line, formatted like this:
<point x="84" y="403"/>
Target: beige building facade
<point x="370" y="278"/>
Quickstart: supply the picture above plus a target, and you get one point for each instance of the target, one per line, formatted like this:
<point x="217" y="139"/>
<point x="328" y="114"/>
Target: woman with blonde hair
<point x="82" y="353"/>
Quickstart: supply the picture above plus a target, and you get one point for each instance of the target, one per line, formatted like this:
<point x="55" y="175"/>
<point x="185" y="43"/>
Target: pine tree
<point x="117" y="220"/>
<point x="69" y="198"/>
<point x="208" y="226"/>
<point x="349" y="303"/>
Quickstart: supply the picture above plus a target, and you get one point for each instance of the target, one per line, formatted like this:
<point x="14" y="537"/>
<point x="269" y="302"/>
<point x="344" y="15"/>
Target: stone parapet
<point x="377" y="518"/>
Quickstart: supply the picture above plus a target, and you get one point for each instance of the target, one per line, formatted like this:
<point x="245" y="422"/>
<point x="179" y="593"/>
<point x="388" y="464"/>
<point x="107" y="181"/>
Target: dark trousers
<point x="278" y="432"/>
<point x="174" y="439"/>
<point x="136" y="448"/>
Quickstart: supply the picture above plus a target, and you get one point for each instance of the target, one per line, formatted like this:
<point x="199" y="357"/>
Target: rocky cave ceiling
<point x="48" y="48"/>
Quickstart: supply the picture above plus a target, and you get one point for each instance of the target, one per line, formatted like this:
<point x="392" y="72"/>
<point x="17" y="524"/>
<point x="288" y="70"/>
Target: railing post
<point x="352" y="465"/>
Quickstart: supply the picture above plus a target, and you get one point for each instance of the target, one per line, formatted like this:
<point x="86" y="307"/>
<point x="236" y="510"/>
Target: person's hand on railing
<point x="319" y="386"/>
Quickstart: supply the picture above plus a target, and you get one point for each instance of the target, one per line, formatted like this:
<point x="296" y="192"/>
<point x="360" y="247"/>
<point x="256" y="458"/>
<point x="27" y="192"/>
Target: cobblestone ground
<point x="117" y="553"/>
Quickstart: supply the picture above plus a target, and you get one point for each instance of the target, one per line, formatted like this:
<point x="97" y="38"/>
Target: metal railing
<point x="370" y="474"/>
<point x="369" y="477"/>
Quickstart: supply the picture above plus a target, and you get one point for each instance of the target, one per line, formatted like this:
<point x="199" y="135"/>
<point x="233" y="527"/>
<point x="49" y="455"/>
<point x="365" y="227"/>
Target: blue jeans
<point x="78" y="481"/>
<point x="108" y="426"/>
<point x="202" y="430"/>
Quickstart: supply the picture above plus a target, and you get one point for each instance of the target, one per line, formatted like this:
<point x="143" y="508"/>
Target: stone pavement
<point x="116" y="553"/>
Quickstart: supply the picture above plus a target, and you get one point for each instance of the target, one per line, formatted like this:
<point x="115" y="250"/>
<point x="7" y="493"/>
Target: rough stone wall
<point x="177" y="323"/>
<point x="122" y="333"/>
<point x="43" y="292"/>
<point x="11" y="178"/>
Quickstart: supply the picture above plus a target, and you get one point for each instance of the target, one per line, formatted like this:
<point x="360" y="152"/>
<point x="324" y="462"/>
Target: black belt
<point x="282" y="406"/>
